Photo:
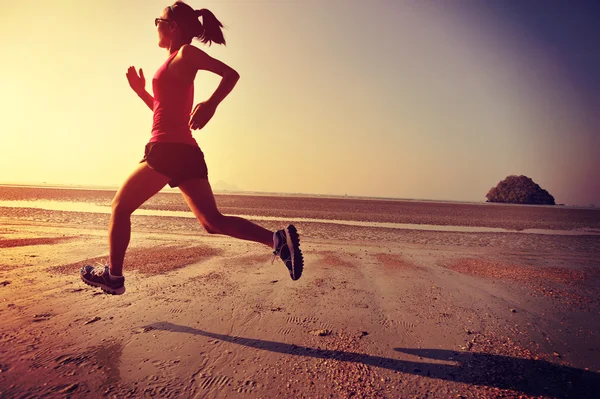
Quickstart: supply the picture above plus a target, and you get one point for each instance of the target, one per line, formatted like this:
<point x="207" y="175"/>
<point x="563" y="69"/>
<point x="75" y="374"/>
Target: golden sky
<point x="384" y="98"/>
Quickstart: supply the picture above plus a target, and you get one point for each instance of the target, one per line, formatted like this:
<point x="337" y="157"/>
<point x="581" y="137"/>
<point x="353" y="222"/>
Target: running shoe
<point x="98" y="277"/>
<point x="287" y="247"/>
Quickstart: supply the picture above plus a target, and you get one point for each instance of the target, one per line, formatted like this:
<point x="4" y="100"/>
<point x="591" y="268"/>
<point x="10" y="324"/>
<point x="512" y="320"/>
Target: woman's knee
<point x="209" y="229"/>
<point x="120" y="208"/>
<point x="213" y="224"/>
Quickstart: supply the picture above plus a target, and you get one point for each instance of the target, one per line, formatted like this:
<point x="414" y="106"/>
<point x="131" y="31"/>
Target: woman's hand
<point x="137" y="83"/>
<point x="201" y="114"/>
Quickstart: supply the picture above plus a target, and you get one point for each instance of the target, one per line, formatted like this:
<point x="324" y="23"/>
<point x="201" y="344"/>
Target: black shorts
<point x="180" y="162"/>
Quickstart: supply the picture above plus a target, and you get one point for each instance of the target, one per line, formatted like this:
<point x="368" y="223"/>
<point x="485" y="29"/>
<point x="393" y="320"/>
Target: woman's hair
<point x="188" y="19"/>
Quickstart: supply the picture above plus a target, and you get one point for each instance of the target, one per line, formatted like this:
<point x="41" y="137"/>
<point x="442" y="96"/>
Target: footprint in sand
<point x="42" y="359"/>
<point x="326" y="326"/>
<point x="301" y="321"/>
<point x="72" y="359"/>
<point x="212" y="383"/>
<point x="405" y="327"/>
<point x="406" y="324"/>
<point x="246" y="387"/>
<point x="285" y="330"/>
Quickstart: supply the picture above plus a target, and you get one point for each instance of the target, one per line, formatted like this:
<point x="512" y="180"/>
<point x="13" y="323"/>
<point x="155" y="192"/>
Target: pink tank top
<point x="173" y="101"/>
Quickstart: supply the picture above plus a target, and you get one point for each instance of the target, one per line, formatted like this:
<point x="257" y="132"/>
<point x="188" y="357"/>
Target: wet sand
<point x="377" y="313"/>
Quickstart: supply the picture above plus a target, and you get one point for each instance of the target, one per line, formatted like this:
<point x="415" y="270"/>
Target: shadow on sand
<point x="532" y="377"/>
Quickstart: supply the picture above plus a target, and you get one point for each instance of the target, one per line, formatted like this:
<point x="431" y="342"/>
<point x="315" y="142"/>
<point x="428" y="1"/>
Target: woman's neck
<point x="174" y="46"/>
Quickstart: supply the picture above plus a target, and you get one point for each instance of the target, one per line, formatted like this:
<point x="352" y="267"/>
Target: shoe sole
<point x="293" y="243"/>
<point x="105" y="288"/>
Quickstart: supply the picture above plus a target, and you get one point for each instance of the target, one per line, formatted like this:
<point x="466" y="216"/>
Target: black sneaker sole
<point x="105" y="288"/>
<point x="293" y="241"/>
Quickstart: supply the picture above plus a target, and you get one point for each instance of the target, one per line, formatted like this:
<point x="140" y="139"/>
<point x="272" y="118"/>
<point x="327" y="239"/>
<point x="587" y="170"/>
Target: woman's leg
<point x="140" y="186"/>
<point x="199" y="197"/>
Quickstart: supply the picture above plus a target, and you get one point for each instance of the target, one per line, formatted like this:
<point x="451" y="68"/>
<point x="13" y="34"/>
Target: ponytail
<point x="208" y="31"/>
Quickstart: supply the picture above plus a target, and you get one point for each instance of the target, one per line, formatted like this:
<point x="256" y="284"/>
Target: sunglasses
<point x="158" y="20"/>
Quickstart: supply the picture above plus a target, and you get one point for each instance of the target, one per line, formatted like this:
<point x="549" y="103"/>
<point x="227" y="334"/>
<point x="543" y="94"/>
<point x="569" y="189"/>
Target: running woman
<point x="173" y="156"/>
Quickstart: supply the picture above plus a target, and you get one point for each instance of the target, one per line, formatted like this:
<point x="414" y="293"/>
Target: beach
<point x="398" y="299"/>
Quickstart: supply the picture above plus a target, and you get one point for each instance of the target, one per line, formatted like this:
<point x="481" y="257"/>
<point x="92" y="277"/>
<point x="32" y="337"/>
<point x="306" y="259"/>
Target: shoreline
<point x="306" y="195"/>
<point x="83" y="207"/>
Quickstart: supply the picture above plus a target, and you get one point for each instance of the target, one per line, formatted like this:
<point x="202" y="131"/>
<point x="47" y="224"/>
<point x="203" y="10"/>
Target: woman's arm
<point x="147" y="98"/>
<point x="197" y="59"/>
<point x="138" y="84"/>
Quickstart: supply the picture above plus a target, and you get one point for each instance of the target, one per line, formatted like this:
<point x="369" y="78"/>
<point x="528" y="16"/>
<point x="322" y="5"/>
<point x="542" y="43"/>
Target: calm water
<point x="384" y="213"/>
<point x="74" y="206"/>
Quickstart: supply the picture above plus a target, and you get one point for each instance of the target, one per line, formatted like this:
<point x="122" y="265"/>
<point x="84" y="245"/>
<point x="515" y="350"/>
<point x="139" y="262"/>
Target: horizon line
<point x="168" y="190"/>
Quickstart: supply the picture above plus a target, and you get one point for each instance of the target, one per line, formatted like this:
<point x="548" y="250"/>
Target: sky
<point x="432" y="100"/>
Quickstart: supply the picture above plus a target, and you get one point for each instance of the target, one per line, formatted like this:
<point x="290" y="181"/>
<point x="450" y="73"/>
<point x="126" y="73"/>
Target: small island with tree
<point x="519" y="190"/>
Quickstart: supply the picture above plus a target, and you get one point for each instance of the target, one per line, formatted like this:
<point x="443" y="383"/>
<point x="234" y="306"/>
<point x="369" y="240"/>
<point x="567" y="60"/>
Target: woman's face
<point x="165" y="28"/>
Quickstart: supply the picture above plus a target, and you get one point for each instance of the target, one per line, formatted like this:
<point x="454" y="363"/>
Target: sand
<point x="377" y="313"/>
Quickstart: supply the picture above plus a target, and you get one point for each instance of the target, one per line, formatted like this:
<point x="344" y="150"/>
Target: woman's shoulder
<point x="193" y="56"/>
<point x="183" y="64"/>
<point x="189" y="50"/>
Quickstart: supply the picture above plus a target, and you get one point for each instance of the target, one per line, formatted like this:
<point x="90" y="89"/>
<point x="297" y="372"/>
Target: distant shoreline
<point x="253" y="193"/>
<point x="305" y="195"/>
